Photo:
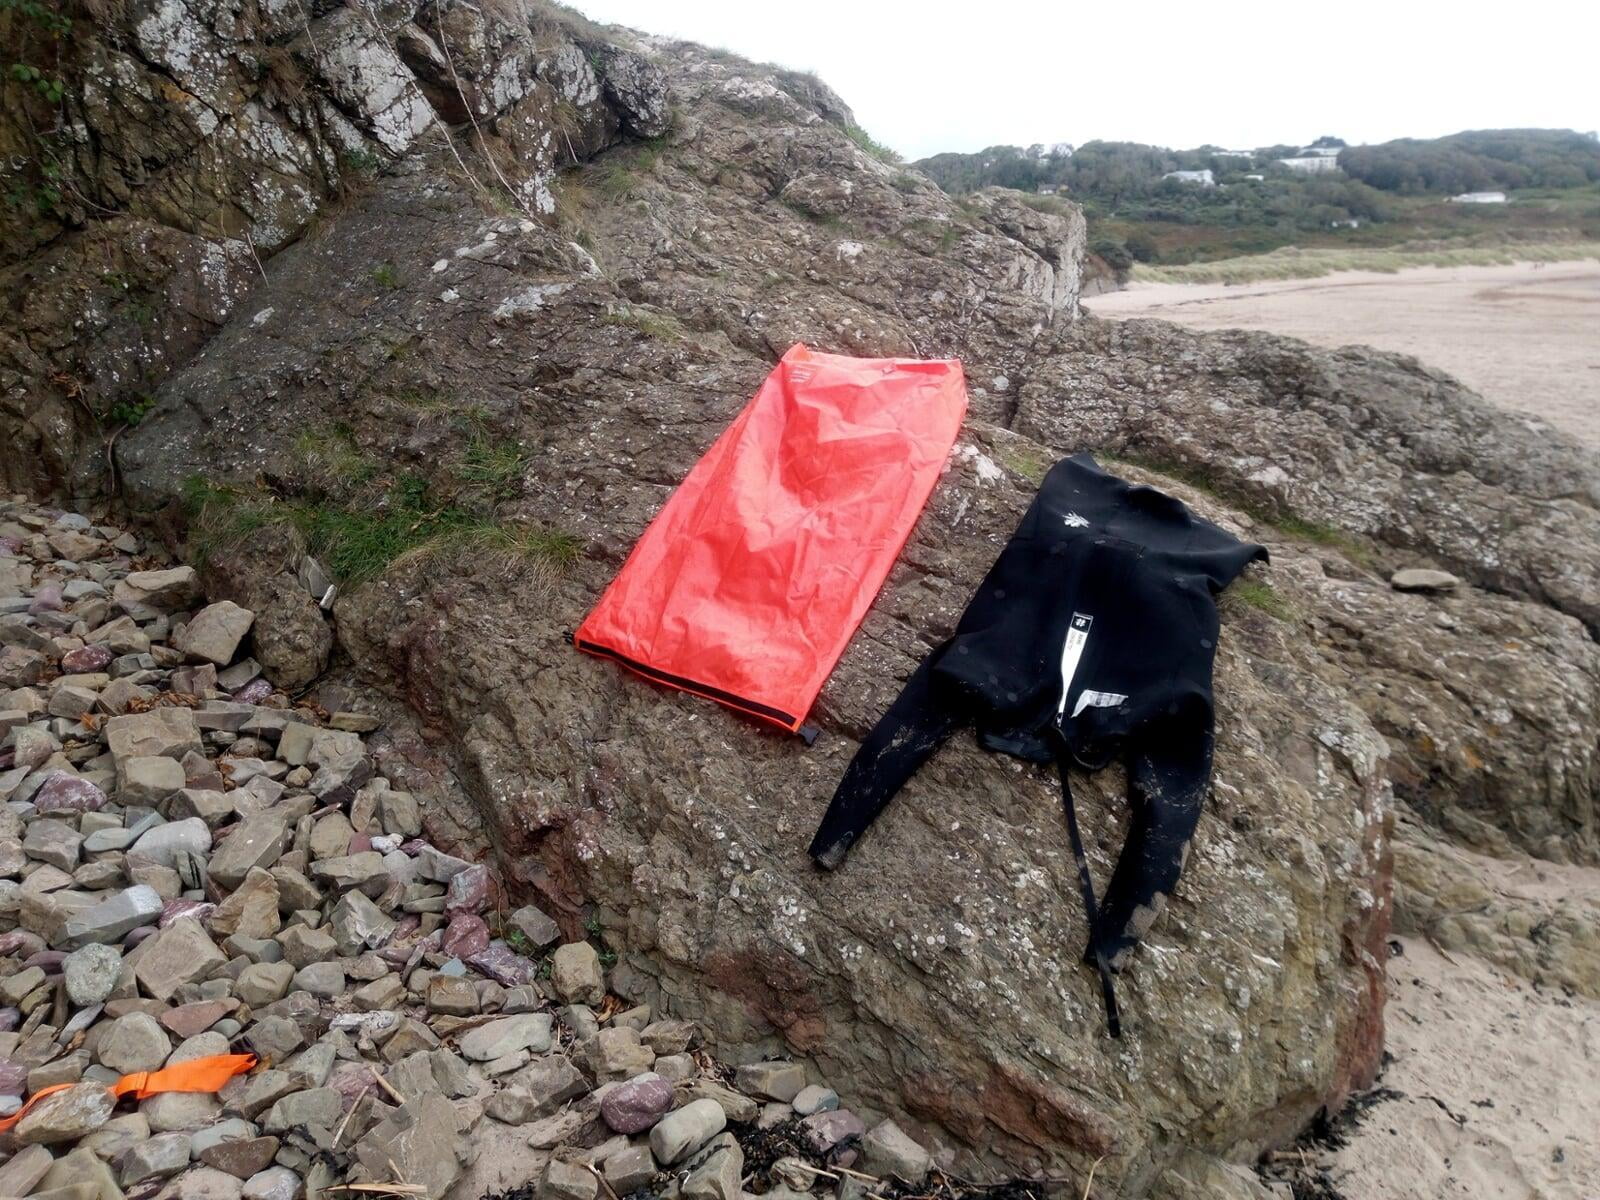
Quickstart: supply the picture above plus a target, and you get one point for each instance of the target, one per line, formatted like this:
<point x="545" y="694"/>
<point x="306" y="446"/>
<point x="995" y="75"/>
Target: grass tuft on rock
<point x="1261" y="595"/>
<point x="872" y="146"/>
<point x="359" y="542"/>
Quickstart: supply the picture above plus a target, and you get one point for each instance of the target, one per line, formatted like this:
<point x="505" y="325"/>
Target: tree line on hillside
<point x="1127" y="190"/>
<point x="1112" y="173"/>
<point x="1477" y="161"/>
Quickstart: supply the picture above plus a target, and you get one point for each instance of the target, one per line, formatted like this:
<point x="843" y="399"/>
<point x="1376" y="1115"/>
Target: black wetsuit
<point x="1091" y="639"/>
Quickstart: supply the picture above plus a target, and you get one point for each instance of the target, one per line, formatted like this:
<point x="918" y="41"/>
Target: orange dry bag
<point x="748" y="584"/>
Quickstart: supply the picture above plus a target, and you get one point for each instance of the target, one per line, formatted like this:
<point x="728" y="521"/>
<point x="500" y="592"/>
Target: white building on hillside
<point x="1203" y="178"/>
<point x="1316" y="163"/>
<point x="1479" y="198"/>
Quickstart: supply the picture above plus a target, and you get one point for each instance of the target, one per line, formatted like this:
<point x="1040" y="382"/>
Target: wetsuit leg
<point x="1168" y="779"/>
<point x="911" y="730"/>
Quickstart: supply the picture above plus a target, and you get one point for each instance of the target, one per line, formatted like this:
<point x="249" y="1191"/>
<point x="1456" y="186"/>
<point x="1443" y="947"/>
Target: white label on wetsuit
<point x="1088" y="699"/>
<point x="1071" y="652"/>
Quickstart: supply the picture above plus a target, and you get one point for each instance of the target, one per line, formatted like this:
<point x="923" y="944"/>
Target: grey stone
<point x="575" y="974"/>
<point x="201" y="1183"/>
<point x="257" y="841"/>
<point x="274" y="1183"/>
<point x="65" y="1116"/>
<point x="167" y="732"/>
<point x="364" y="871"/>
<point x="214" y="633"/>
<point x="113" y="918"/>
<point x="24" y="1169"/>
<point x="629" y="1170"/>
<point x="359" y="924"/>
<point x="320" y="1107"/>
<point x="323" y="979"/>
<point x="179" y="954"/>
<point x="250" y="910"/>
<point x="132" y="1043"/>
<point x="303" y="945"/>
<point x="418" y="1142"/>
<point x="714" y="1171"/>
<point x="452" y="996"/>
<point x="164" y="1154"/>
<point x="815" y="1099"/>
<point x="53" y="842"/>
<point x="529" y="1031"/>
<point x="535" y="926"/>
<point x="685" y="1130"/>
<point x="537" y="1090"/>
<point x="889" y="1150"/>
<point x="567" y="1181"/>
<point x="780" y="1081"/>
<point x="616" y="1053"/>
<point x="171" y="1111"/>
<point x="169" y="590"/>
<point x="148" y="781"/>
<point x="261" y="983"/>
<point x="1422" y="579"/>
<point x="169" y="843"/>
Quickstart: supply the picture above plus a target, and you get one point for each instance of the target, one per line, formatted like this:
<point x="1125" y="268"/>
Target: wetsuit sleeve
<point x="911" y="730"/>
<point x="1168" y="777"/>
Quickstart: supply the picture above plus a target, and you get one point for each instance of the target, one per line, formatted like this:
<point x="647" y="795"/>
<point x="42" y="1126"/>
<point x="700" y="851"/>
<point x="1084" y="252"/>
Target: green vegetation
<point x="496" y="466"/>
<point x="385" y="275"/>
<point x="358" y="542"/>
<point x="873" y="147"/>
<point x="333" y="458"/>
<point x="1025" y="459"/>
<point x="1288" y="524"/>
<point x="1382" y="196"/>
<point x="1262" y="595"/>
<point x="361" y="161"/>
<point x="130" y="410"/>
<point x="660" y="325"/>
<point x="39" y="29"/>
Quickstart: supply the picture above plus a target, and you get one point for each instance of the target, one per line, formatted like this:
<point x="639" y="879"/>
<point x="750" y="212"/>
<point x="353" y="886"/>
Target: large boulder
<point x="469" y="394"/>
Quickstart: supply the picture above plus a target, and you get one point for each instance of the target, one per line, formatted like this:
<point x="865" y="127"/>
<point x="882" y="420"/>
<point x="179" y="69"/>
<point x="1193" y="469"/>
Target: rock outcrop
<point x="561" y="260"/>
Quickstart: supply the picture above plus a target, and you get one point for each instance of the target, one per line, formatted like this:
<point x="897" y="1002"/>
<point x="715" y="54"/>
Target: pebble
<point x="207" y="867"/>
<point x="686" y="1129"/>
<point x="638" y="1103"/>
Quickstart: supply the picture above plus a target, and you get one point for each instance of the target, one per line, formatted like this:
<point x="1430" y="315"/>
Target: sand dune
<point x="1526" y="337"/>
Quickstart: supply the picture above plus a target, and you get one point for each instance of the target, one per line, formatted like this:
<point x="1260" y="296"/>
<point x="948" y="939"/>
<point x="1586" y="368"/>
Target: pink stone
<point x="465" y="936"/>
<point x="86" y="660"/>
<point x="13" y="1078"/>
<point x="68" y="793"/>
<point x="176" y="910"/>
<point x="46" y="599"/>
<point x="20" y="942"/>
<point x="187" y="1020"/>
<point x="503" y="965"/>
<point x="468" y="890"/>
<point x="636" y="1105"/>
<point x="825" y="1130"/>
<point x="253" y="692"/>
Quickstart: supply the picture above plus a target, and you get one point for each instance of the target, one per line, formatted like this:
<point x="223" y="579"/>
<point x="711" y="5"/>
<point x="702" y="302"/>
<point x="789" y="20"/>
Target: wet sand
<point x="1526" y="337"/>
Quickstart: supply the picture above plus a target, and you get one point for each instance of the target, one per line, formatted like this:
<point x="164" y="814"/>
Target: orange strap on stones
<point x="196" y="1075"/>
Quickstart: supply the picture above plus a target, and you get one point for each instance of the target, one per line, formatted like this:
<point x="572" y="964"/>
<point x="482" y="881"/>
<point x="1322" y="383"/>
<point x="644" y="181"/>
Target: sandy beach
<point x="1526" y="337"/>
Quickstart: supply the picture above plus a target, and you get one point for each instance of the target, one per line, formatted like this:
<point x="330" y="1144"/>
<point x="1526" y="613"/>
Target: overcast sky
<point x="934" y="76"/>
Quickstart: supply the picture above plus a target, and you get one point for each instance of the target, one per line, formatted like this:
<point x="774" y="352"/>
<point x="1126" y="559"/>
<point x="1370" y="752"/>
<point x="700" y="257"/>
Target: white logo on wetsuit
<point x="1073" y="521"/>
<point x="1071" y="652"/>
